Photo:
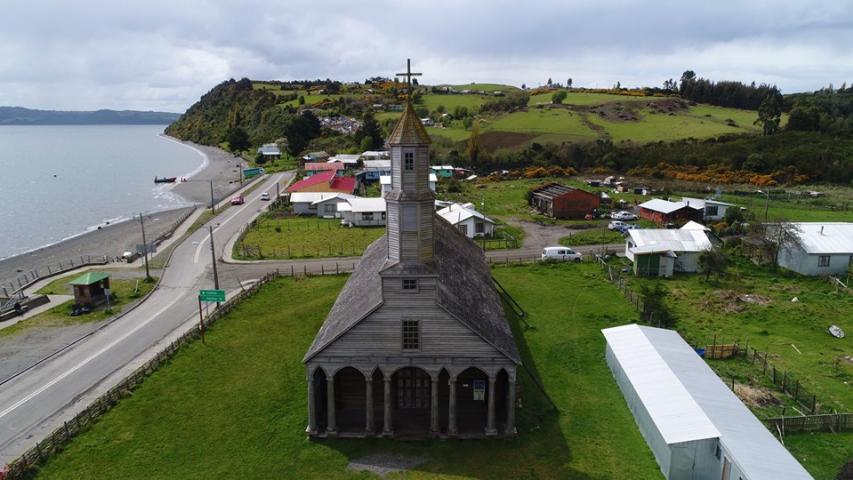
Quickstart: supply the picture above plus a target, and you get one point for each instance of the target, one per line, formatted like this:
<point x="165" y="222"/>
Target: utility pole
<point x="144" y="247"/>
<point x="212" y="203"/>
<point x="766" y="205"/>
<point x="213" y="256"/>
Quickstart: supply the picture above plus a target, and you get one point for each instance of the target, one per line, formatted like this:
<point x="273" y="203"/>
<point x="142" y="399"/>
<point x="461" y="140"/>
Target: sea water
<point x="60" y="181"/>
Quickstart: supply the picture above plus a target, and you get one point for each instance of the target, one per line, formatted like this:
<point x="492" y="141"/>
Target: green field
<point x="275" y="236"/>
<point x="653" y="127"/>
<point x="587" y="99"/>
<point x="561" y="122"/>
<point x="235" y="406"/>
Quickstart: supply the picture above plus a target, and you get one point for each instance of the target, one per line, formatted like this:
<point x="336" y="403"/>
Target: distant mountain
<point x="26" y="116"/>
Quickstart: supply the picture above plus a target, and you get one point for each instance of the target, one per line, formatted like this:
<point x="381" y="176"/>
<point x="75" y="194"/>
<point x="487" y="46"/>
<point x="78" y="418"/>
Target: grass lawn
<point x="583" y="98"/>
<point x="796" y="209"/>
<point x="450" y="102"/>
<point x="592" y="236"/>
<point x="705" y="309"/>
<point x="653" y="127"/>
<point x="303" y="237"/>
<point x="124" y="292"/>
<point x="569" y="125"/>
<point x="822" y="454"/>
<point x="235" y="406"/>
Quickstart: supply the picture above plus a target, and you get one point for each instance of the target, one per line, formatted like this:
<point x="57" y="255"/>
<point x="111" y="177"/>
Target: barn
<point x="561" y="201"/>
<point x="663" y="211"/>
<point x="417" y="343"/>
<point x="695" y="426"/>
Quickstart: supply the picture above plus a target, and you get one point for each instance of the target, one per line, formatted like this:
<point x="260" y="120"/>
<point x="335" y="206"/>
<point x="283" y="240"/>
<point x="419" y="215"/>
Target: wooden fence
<point x="22" y="467"/>
<point x="827" y="422"/>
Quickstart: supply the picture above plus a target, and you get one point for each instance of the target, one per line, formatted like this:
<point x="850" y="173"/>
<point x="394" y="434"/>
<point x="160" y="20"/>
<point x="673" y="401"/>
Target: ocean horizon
<point x="60" y="181"/>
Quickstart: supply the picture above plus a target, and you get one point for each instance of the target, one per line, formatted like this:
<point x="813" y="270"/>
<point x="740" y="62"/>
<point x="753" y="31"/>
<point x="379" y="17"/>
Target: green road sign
<point x="211" y="295"/>
<point x="251" y="172"/>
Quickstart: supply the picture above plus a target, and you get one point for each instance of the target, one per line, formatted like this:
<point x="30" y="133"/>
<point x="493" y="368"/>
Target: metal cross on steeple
<point x="408" y="74"/>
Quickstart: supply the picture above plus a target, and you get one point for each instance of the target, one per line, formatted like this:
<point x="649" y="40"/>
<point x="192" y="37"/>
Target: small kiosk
<point x="91" y="288"/>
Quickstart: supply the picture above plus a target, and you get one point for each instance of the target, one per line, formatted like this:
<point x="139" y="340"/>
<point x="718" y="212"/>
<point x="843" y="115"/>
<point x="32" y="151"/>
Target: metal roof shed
<point x="696" y="427"/>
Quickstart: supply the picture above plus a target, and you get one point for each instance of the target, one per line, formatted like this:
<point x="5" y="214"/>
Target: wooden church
<point x="417" y="343"/>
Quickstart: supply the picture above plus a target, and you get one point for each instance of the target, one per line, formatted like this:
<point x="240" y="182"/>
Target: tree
<point x="655" y="309"/>
<point x="473" y="147"/>
<point x="558" y="97"/>
<point x="549" y="81"/>
<point x="770" y="112"/>
<point x="523" y="86"/>
<point x="714" y="261"/>
<point x="569" y="83"/>
<point x="238" y="139"/>
<point x="369" y="136"/>
<point x="302" y="99"/>
<point x="775" y="237"/>
<point x="440" y="109"/>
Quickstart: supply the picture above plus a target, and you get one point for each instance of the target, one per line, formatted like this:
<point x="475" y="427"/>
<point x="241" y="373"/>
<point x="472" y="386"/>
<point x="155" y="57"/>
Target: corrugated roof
<point x="456" y="213"/>
<point x="334" y="196"/>
<point x="366" y="204"/>
<point x="755" y="450"/>
<point x="701" y="202"/>
<point x="378" y="164"/>
<point x="323" y="166"/>
<point x="675" y="413"/>
<point x="386" y="179"/>
<point x="311" y="197"/>
<point x="691" y="225"/>
<point x="665" y="206"/>
<point x="89" y="278"/>
<point x="826" y="238"/>
<point x="671" y="239"/>
<point x="409" y="129"/>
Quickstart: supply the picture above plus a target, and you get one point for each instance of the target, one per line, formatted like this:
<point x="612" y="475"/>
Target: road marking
<point x="247" y="204"/>
<point x="84" y="362"/>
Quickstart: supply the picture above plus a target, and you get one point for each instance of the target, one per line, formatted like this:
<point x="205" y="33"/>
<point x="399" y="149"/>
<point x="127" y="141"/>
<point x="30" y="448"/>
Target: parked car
<point x="237" y="200"/>
<point x="563" y="254"/>
<point x="627" y="226"/>
<point x="265" y="196"/>
<point x="616" y="225"/>
<point x="623" y="215"/>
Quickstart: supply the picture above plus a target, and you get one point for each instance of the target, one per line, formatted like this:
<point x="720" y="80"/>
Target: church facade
<point x="417" y="343"/>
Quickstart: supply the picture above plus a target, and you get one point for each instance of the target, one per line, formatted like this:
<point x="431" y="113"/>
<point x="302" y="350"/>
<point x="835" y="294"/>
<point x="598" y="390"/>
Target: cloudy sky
<point x="162" y="55"/>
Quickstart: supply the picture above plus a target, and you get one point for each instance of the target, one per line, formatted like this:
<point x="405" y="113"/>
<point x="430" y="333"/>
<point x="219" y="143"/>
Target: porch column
<point x="368" y="414"/>
<point x="312" y="407"/>
<point x="332" y="428"/>
<point x="510" y="408"/>
<point x="387" y="428"/>
<point x="490" y="422"/>
<point x="433" y="406"/>
<point x="451" y="408"/>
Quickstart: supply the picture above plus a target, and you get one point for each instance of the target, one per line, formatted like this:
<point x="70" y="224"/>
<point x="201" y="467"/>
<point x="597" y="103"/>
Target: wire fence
<point x="54" y="443"/>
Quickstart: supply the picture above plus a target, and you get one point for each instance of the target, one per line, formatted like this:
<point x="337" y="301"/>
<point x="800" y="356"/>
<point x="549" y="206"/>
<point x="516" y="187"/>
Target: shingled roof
<point x="409" y="129"/>
<point x="465" y="291"/>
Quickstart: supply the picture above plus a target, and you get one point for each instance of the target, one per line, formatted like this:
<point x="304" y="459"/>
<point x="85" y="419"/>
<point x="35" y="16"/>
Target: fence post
<point x="774" y="375"/>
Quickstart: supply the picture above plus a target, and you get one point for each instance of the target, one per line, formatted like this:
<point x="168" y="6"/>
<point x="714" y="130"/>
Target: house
<point x="427" y="122"/>
<point x="661" y="251"/>
<point x="326" y="181"/>
<point x="375" y="155"/>
<point x="373" y="170"/>
<point x="825" y="248"/>
<point x="695" y="426"/>
<point x="305" y="203"/>
<point x="314" y="167"/>
<point x="315" y="157"/>
<point x="270" y="151"/>
<point x="663" y="211"/>
<point x="469" y="221"/>
<point x="443" y="171"/>
<point x="91" y="288"/>
<point x="560" y="201"/>
<point x="362" y="211"/>
<point x="346" y="159"/>
<point x="385" y="182"/>
<point x="327" y="207"/>
<point x="712" y="210"/>
<point x="417" y="343"/>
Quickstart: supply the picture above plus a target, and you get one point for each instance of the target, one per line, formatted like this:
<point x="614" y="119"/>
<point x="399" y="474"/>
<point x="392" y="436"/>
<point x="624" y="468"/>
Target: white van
<point x="562" y="254"/>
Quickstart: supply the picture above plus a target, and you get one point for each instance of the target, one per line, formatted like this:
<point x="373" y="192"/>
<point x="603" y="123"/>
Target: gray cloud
<point x="162" y="54"/>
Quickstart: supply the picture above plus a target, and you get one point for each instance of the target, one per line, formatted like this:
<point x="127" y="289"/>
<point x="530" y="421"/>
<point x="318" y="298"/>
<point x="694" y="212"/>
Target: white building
<point x="695" y="426"/>
<point x="327" y="207"/>
<point x="373" y="170"/>
<point x="350" y="160"/>
<point x="362" y="211"/>
<point x="385" y="182"/>
<point x="375" y="155"/>
<point x="825" y="249"/>
<point x="469" y="221"/>
<point x="270" y="150"/>
<point x="661" y="251"/>
<point x="712" y="209"/>
<point x="303" y="203"/>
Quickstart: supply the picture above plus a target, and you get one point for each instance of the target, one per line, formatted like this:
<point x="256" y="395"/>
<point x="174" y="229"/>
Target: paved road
<point x="34" y="403"/>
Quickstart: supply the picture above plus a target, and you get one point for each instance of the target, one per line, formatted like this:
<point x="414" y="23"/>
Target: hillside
<point x="27" y="116"/>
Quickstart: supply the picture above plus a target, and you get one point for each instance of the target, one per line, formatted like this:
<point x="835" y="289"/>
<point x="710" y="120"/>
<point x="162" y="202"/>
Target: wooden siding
<point x="574" y="204"/>
<point x="381" y="333"/>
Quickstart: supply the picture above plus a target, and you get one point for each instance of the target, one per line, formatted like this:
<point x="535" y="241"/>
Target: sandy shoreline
<point x="219" y="166"/>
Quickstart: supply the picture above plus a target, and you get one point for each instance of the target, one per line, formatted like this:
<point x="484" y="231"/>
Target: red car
<point x="237" y="200"/>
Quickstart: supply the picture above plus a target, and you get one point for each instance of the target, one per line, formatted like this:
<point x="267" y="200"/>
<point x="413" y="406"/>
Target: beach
<point x="219" y="166"/>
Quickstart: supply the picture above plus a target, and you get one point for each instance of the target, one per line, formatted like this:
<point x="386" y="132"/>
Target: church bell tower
<point x="410" y="203"/>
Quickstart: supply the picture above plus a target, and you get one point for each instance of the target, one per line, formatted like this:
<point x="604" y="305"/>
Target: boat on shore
<point x="165" y="179"/>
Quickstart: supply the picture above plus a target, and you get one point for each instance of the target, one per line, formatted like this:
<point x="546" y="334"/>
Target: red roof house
<point x="326" y="181"/>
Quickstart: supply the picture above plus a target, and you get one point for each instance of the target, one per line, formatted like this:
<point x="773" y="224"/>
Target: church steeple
<point x="410" y="203"/>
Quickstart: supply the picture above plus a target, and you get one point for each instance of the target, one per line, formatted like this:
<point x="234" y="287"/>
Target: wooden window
<point x="411" y="335"/>
<point x="383" y="215"/>
<point x="463" y="228"/>
<point x="479" y="227"/>
<point x="712" y="210"/>
<point x="823" y="261"/>
<point x="410" y="284"/>
<point x="367" y="216"/>
<point x="409" y="160"/>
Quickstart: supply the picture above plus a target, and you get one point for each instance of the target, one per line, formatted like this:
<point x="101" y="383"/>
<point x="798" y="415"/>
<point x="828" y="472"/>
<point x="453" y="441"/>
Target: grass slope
<point x="235" y="406"/>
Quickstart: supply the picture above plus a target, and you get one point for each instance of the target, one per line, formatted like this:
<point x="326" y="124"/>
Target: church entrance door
<point x="412" y="401"/>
